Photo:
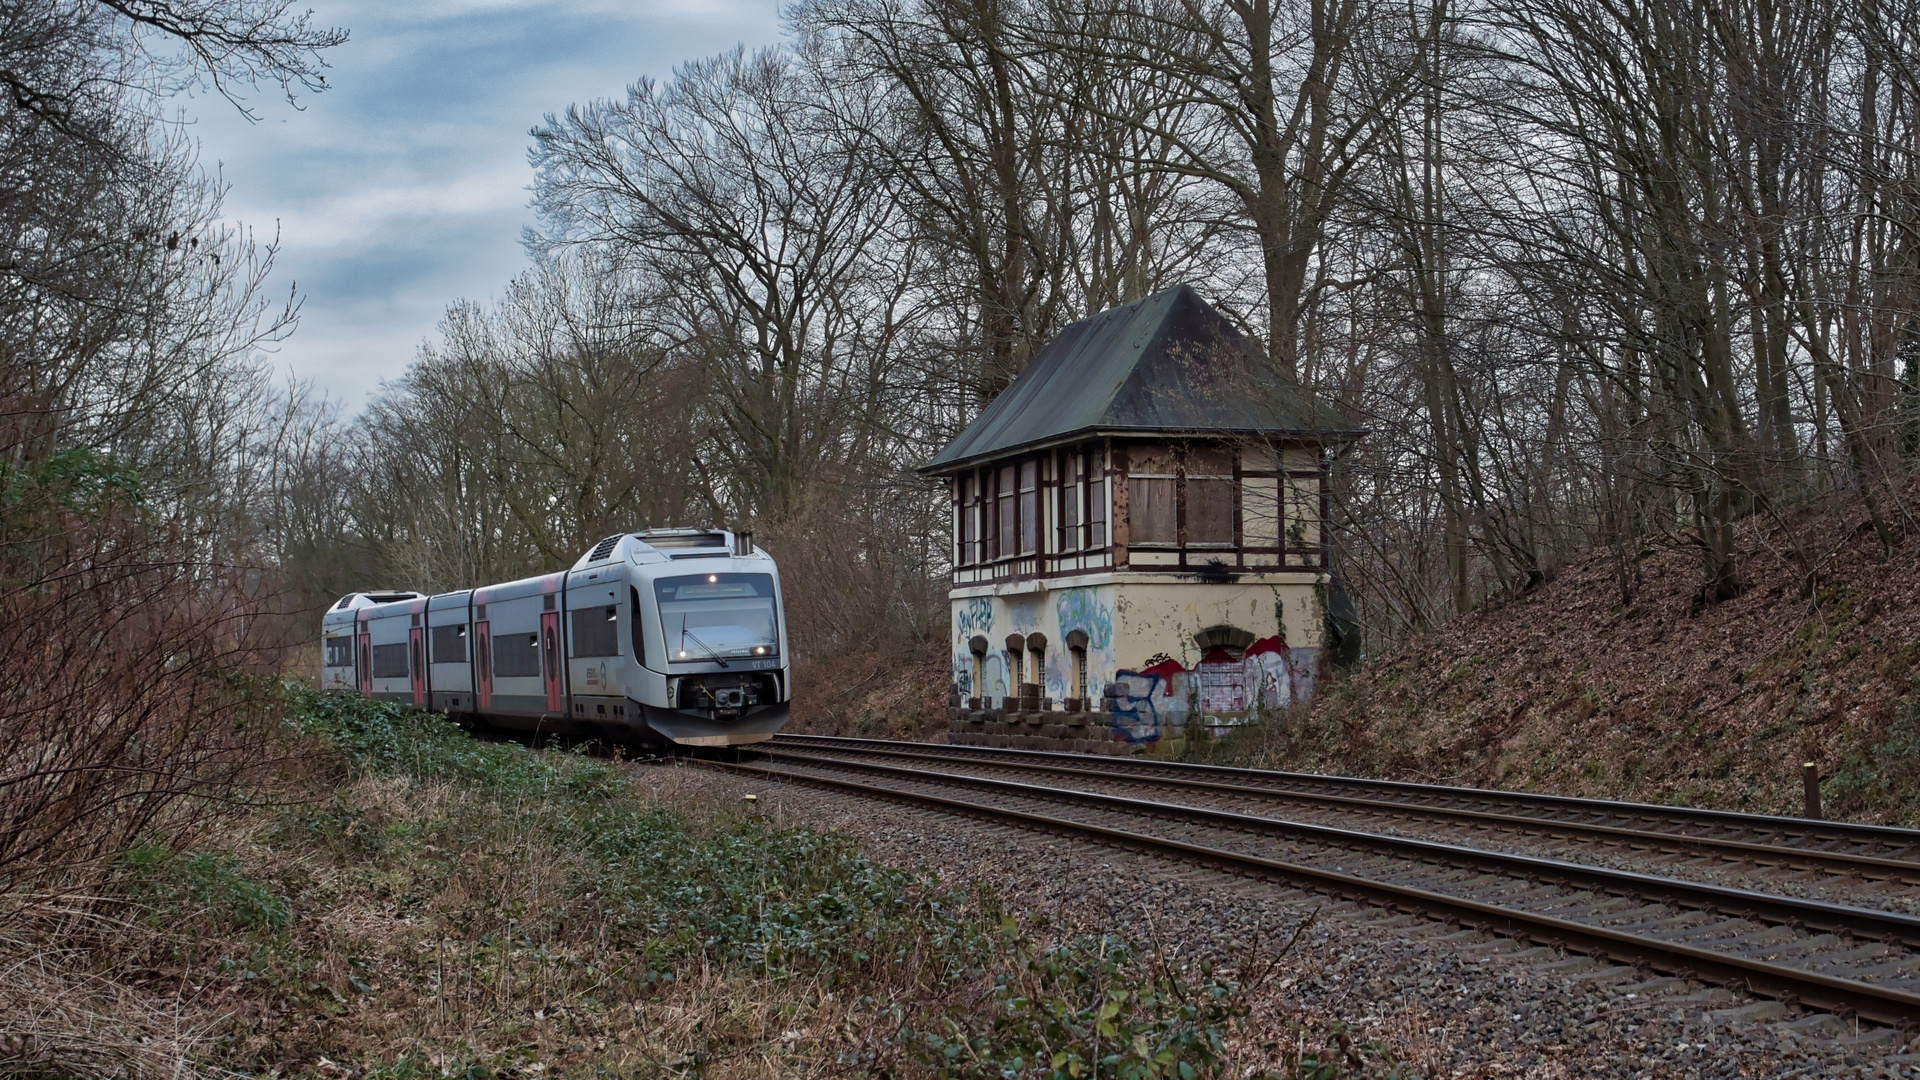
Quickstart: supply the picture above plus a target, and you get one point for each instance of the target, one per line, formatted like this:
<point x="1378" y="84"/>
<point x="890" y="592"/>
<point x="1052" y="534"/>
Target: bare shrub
<point x="866" y="611"/>
<point x="125" y="704"/>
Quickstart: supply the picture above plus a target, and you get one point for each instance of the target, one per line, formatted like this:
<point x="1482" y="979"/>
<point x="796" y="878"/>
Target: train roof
<point x="646" y="546"/>
<point x="662" y="545"/>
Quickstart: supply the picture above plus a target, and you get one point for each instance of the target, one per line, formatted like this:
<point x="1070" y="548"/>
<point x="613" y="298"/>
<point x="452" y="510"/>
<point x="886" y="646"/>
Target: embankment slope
<point x="1578" y="689"/>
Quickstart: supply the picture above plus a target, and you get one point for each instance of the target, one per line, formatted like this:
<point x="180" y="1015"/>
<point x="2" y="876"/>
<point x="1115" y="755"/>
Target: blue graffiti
<point x="975" y="618"/>
<point x="1135" y="718"/>
<point x="994" y="678"/>
<point x="1081" y="609"/>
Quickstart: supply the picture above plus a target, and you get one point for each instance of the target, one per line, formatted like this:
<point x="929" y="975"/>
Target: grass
<point x="419" y="903"/>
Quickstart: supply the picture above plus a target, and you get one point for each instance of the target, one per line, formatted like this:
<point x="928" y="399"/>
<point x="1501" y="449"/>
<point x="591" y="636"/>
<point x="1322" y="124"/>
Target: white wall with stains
<point x="1141" y="640"/>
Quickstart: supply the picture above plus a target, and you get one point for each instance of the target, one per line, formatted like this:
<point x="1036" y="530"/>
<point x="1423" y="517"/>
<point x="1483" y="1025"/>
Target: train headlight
<point x="759" y="650"/>
<point x="683" y="654"/>
<point x="713" y="579"/>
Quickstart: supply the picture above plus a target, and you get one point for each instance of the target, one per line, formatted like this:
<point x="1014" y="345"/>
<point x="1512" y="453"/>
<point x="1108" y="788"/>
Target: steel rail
<point x="1793" y="857"/>
<point x="1814" y="828"/>
<point x="1845" y="996"/>
<point x="1886" y="926"/>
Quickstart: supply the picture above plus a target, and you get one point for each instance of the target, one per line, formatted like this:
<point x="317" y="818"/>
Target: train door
<point x="482" y="666"/>
<point x="418" y="656"/>
<point x="550" y="659"/>
<point x="363" y="659"/>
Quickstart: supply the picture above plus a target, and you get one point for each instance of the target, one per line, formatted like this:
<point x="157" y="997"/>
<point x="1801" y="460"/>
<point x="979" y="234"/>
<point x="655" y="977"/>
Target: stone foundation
<point x="1039" y="729"/>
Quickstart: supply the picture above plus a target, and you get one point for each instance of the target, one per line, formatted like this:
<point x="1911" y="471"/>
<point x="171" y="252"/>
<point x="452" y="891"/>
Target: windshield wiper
<point x="685" y="634"/>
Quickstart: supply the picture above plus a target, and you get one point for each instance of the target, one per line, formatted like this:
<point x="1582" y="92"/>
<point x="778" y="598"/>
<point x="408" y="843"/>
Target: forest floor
<point x="1614" y="679"/>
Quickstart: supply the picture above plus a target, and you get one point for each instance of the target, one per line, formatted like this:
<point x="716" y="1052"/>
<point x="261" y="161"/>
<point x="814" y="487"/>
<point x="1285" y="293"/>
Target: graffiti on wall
<point x="975" y="617"/>
<point x="1082" y="609"/>
<point x="1268" y="675"/>
<point x="1150" y="702"/>
<point x="1158" y="699"/>
<point x="994" y="675"/>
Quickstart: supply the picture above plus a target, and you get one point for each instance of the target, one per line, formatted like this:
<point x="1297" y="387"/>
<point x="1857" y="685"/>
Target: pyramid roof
<point x="1167" y="364"/>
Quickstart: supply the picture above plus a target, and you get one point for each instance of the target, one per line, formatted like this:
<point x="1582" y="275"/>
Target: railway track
<point x="1852" y="960"/>
<point x="1865" y="852"/>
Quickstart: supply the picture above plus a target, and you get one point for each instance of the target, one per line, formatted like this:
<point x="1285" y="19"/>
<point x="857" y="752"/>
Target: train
<point x="661" y="637"/>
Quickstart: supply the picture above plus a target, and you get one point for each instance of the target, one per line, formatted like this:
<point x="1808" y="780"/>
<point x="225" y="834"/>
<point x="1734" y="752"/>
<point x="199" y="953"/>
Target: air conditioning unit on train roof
<point x="681" y="539"/>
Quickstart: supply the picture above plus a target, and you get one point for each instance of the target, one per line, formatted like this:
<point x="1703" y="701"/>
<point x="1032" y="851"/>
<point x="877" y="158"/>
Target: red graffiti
<point x="1267" y="645"/>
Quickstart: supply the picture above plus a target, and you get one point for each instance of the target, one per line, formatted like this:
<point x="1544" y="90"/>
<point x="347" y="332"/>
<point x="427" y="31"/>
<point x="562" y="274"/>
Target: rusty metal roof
<point x="1168" y="363"/>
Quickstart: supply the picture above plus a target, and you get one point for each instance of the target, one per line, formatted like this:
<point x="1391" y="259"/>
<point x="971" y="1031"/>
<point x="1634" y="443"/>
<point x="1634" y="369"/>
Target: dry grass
<point x="437" y="907"/>
<point x="67" y="1013"/>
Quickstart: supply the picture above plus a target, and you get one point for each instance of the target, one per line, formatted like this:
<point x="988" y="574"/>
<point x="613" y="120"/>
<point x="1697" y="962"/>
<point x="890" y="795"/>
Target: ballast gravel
<point x="1443" y="1003"/>
<point x="1712" y="870"/>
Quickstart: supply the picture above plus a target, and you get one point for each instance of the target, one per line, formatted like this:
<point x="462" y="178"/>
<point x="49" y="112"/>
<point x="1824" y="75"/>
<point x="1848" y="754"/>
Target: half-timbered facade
<point x="1138" y="535"/>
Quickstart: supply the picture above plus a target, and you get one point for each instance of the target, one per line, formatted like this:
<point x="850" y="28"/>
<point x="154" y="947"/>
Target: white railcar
<point x="670" y="635"/>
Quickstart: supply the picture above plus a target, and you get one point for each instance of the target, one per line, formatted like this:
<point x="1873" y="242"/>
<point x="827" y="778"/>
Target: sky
<point x="405" y="187"/>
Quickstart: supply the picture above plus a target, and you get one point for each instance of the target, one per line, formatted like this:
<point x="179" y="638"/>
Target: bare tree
<point x="754" y="209"/>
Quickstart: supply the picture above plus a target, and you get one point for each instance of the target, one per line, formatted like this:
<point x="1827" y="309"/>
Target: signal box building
<point x="1139" y="537"/>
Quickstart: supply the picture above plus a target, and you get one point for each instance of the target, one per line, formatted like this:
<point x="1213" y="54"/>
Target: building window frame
<point x="1226" y="483"/>
<point x="968" y="518"/>
<point x="1161" y="479"/>
<point x="1071" y="509"/>
<point x="1027" y="506"/>
<point x="1077" y="676"/>
<point x="1037" y="659"/>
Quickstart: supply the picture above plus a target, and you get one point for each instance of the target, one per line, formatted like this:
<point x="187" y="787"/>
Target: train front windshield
<point x="718" y="616"/>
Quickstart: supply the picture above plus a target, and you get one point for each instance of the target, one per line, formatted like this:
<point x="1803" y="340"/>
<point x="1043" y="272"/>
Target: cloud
<point x="404" y="187"/>
<point x="357" y="215"/>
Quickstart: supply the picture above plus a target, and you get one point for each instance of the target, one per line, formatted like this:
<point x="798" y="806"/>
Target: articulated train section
<point x="671" y="636"/>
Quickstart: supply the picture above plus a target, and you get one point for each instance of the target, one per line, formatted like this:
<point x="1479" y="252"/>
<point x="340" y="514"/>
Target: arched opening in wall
<point x="1016" y="670"/>
<point x="977" y="698"/>
<point x="1034" y="693"/>
<point x="1077" y="677"/>
<point x="1221" y="674"/>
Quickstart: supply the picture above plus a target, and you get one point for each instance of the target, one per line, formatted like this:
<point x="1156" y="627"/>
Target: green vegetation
<point x="1879" y="768"/>
<point x="421" y="903"/>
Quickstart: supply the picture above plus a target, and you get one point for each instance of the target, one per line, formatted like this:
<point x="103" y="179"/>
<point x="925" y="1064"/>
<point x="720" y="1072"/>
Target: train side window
<point x="390" y="661"/>
<point x="639" y="636"/>
<point x="516" y="656"/>
<point x="340" y="651"/>
<point x="447" y="644"/>
<point x="596" y="631"/>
